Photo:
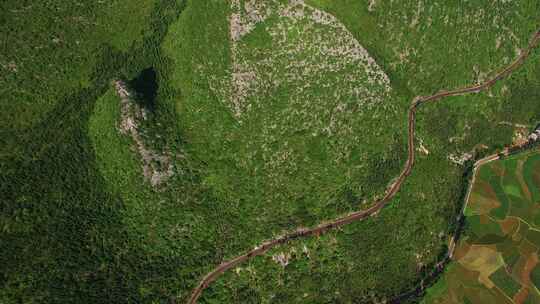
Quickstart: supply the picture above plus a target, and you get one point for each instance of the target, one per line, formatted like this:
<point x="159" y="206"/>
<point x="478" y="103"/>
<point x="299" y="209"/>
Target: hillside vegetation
<point x="268" y="115"/>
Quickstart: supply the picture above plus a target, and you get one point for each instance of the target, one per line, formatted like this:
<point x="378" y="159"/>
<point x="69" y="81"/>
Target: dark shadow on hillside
<point x="146" y="87"/>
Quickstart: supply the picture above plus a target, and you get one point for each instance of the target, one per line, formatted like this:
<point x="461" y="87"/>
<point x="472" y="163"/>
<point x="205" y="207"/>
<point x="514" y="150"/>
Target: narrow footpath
<point x="390" y="193"/>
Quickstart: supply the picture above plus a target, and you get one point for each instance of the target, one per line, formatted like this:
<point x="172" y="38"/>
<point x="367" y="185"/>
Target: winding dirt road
<point x="391" y="191"/>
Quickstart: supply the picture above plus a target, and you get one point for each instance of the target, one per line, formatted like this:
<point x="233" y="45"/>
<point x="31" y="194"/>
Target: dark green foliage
<point x="535" y="276"/>
<point x="146" y="87"/>
<point x="63" y="235"/>
<point x="502" y="279"/>
<point x="74" y="230"/>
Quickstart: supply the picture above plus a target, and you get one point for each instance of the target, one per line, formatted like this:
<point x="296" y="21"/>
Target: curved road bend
<point x="390" y="193"/>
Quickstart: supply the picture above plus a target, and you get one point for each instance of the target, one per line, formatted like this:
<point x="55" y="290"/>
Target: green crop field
<point x="248" y="119"/>
<point x="496" y="261"/>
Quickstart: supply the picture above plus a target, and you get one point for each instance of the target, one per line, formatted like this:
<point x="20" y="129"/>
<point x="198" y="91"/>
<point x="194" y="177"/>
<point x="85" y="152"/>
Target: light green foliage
<point x="277" y="120"/>
<point x="118" y="165"/>
<point x="287" y="125"/>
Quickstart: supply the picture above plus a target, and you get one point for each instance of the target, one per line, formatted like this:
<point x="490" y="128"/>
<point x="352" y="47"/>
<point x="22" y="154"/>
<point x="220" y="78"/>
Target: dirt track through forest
<point x="390" y="193"/>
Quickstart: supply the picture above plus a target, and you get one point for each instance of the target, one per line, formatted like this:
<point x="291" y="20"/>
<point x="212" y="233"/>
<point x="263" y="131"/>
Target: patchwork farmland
<point x="497" y="258"/>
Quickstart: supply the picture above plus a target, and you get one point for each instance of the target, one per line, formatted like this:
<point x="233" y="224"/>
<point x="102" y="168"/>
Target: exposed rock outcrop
<point x="157" y="166"/>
